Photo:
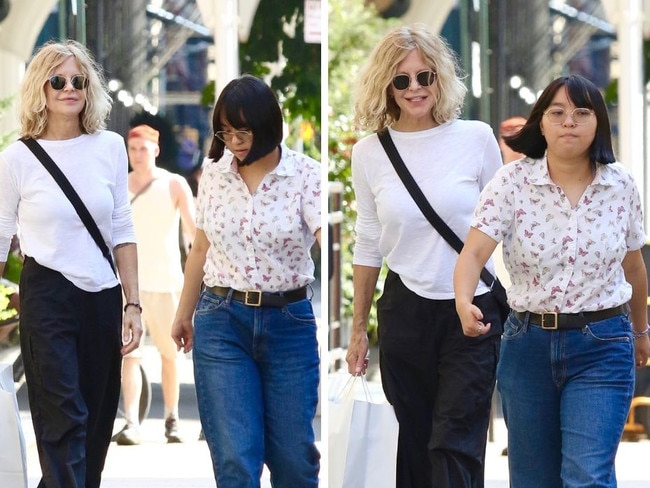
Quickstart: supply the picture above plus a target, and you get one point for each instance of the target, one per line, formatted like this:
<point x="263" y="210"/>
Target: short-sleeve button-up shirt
<point x="562" y="258"/>
<point x="260" y="241"/>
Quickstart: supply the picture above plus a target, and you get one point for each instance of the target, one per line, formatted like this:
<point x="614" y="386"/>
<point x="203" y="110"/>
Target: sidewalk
<point x="632" y="470"/>
<point x="155" y="463"/>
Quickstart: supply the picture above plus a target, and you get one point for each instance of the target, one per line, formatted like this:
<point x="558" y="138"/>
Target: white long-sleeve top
<point x="51" y="232"/>
<point x="451" y="163"/>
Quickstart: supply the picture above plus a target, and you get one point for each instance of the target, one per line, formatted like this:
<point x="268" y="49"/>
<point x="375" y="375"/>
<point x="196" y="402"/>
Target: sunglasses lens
<point x="425" y="78"/>
<point x="78" y="82"/>
<point x="401" y="82"/>
<point x="57" y="82"/>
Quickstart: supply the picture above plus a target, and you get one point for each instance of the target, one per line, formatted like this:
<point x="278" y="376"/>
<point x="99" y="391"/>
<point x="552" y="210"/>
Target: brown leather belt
<point x="257" y="298"/>
<point x="555" y="321"/>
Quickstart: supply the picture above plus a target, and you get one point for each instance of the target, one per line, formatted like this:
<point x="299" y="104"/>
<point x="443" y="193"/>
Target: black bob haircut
<point x="247" y="103"/>
<point x="584" y="94"/>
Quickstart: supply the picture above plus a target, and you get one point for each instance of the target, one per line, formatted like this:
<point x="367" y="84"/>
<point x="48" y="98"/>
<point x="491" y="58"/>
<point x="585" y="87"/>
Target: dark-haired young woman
<point x="571" y="223"/>
<point x="256" y="362"/>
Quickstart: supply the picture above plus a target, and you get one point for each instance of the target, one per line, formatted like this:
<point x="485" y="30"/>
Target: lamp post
<point x="226" y="43"/>
<point x="630" y="94"/>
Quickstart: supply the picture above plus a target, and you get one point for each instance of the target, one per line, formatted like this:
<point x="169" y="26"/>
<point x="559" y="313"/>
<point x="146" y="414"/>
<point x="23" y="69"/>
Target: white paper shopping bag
<point x="13" y="459"/>
<point x="362" y="441"/>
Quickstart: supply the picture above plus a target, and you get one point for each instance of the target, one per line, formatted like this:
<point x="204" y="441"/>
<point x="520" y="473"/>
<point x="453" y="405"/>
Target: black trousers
<point x="440" y="384"/>
<point x="70" y="341"/>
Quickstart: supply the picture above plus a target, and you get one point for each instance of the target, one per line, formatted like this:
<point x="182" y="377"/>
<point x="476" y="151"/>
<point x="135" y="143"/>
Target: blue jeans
<point x="566" y="395"/>
<point x="256" y="371"/>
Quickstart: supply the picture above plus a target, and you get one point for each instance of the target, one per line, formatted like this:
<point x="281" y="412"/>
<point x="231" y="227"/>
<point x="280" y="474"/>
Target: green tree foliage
<point x="277" y="52"/>
<point x="5" y="139"/>
<point x="13" y="264"/>
<point x="354" y="30"/>
<point x="276" y="38"/>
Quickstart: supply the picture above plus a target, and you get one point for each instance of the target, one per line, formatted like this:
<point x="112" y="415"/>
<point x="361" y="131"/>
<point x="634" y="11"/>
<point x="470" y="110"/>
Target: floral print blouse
<point x="562" y="259"/>
<point x="260" y="241"/>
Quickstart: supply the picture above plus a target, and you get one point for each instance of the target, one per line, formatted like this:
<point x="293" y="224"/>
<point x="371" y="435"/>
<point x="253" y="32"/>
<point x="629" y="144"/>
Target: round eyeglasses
<point x="558" y="115"/>
<point x="424" y="78"/>
<point x="78" y="82"/>
<point x="242" y="135"/>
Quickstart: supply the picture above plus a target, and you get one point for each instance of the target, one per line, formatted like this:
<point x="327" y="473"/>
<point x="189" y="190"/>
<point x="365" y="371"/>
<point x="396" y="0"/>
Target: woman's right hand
<point x="357" y="355"/>
<point x="183" y="334"/>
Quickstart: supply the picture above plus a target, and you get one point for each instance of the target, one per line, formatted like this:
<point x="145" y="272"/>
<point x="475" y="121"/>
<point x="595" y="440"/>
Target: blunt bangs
<point x="248" y="103"/>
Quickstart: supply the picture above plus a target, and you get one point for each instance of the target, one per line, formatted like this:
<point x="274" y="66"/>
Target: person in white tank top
<point x="159" y="201"/>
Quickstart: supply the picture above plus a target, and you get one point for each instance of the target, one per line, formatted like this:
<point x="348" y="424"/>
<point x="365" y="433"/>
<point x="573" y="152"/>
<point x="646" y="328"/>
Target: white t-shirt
<point x="51" y="232"/>
<point x="451" y="164"/>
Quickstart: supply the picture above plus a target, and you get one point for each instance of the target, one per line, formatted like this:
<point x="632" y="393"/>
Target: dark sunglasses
<point x="78" y="82"/>
<point x="424" y="78"/>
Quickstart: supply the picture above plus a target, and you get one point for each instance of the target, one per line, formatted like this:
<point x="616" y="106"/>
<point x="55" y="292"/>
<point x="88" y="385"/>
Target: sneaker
<point x="129" y="436"/>
<point x="117" y="434"/>
<point x="171" y="431"/>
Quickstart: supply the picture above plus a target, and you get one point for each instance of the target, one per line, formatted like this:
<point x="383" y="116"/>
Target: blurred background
<point x="164" y="59"/>
<point x="509" y="51"/>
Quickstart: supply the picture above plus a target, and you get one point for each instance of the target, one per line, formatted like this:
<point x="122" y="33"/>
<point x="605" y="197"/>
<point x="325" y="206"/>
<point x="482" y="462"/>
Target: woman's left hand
<point x="131" y="330"/>
<point x="471" y="319"/>
<point x="641" y="350"/>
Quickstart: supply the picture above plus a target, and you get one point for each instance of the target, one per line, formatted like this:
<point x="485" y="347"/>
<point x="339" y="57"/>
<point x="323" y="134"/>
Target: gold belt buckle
<point x="253" y="298"/>
<point x="552" y="326"/>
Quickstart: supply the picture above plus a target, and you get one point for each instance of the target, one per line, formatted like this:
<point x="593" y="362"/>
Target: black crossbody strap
<point x="416" y="193"/>
<point x="72" y="195"/>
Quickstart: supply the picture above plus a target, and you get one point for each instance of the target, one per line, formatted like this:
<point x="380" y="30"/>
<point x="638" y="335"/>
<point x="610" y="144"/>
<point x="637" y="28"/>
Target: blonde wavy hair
<point x="32" y="111"/>
<point x="374" y="107"/>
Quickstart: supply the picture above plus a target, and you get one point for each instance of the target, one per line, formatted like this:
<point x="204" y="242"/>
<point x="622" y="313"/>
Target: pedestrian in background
<point x="571" y="223"/>
<point x="247" y="284"/>
<point x="439" y="381"/>
<point x="71" y="325"/>
<point x="507" y="128"/>
<point x="160" y="202"/>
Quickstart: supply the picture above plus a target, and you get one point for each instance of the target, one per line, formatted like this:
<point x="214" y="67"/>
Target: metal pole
<point x="630" y="94"/>
<point x="81" y="22"/>
<point x="226" y="40"/>
<point x="63" y="19"/>
<point x="484" y="42"/>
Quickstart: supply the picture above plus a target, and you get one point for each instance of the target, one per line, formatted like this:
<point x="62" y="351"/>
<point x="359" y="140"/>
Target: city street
<point x="154" y="463"/>
<point x="157" y="464"/>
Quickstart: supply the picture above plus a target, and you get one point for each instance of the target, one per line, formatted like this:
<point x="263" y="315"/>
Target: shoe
<point x="201" y="435"/>
<point x="117" y="434"/>
<point x="171" y="431"/>
<point x="129" y="436"/>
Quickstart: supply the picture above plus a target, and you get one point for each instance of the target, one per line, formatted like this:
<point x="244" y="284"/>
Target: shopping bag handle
<point x="346" y="391"/>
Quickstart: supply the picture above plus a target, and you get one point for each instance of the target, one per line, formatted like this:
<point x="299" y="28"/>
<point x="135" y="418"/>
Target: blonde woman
<point x="72" y="329"/>
<point x="439" y="381"/>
